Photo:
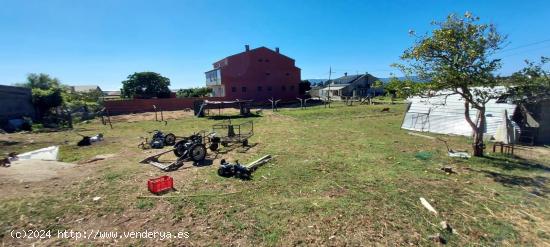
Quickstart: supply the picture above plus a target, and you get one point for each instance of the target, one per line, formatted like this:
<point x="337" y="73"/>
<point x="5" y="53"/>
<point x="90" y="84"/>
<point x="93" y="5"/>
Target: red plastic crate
<point x="160" y="184"/>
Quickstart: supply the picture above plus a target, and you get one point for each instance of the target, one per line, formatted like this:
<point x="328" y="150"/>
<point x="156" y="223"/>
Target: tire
<point x="242" y="173"/>
<point x="179" y="149"/>
<point x="245" y="143"/>
<point x="224" y="172"/>
<point x="169" y="139"/>
<point x="197" y="152"/>
<point x="213" y="146"/>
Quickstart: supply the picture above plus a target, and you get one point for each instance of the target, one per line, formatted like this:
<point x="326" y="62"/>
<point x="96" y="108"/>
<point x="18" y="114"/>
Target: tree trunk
<point x="477" y="128"/>
<point x="478" y="143"/>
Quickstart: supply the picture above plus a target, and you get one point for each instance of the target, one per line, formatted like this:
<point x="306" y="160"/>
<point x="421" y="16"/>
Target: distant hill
<point x="413" y="78"/>
<point x="316" y="81"/>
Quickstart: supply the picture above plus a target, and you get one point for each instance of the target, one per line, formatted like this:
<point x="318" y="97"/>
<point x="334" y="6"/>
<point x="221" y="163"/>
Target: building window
<point x="291" y="87"/>
<point x="269" y="88"/>
<point x="260" y="60"/>
<point x="267" y="60"/>
<point x="233" y="89"/>
<point x="243" y="89"/>
<point x="259" y="88"/>
<point x="267" y="73"/>
<point x="283" y="88"/>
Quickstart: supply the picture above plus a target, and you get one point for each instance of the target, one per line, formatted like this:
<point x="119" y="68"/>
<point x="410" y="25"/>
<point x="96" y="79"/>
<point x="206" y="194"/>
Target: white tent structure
<point x="445" y="115"/>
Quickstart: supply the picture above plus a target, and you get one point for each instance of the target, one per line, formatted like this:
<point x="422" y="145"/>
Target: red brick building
<point x="258" y="74"/>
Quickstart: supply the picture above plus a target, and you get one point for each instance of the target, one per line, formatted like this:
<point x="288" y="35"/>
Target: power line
<point x="523" y="52"/>
<point x="523" y="46"/>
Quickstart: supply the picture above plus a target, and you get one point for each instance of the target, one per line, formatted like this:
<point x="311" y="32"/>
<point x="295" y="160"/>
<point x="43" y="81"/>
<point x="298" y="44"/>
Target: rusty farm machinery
<point x="237" y="170"/>
<point x="191" y="148"/>
<point x="194" y="147"/>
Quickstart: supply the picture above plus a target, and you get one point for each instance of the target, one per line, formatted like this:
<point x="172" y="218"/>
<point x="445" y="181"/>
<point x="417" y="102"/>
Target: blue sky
<point x="102" y="42"/>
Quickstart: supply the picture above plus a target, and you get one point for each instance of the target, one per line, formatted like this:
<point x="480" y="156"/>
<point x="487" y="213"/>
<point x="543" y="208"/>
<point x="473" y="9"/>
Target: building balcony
<point x="213" y="77"/>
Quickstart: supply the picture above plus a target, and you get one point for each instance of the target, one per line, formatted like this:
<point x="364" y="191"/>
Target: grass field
<point x="341" y="175"/>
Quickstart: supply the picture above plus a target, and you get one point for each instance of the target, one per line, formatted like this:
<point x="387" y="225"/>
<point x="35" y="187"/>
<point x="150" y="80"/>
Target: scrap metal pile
<point x="193" y="147"/>
<point x="239" y="171"/>
<point x="158" y="140"/>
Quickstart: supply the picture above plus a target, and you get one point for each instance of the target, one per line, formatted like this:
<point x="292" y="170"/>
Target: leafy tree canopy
<point x="194" y="92"/>
<point x="41" y="81"/>
<point x="404" y="88"/>
<point x="146" y="85"/>
<point x="532" y="83"/>
<point x="458" y="56"/>
<point x="90" y="100"/>
<point x="304" y="86"/>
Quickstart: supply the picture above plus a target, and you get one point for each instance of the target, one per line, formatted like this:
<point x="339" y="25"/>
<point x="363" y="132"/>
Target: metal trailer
<point x="233" y="133"/>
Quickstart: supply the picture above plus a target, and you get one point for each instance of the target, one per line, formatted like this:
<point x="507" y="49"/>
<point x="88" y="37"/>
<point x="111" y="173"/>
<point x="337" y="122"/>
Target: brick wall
<point x="146" y="105"/>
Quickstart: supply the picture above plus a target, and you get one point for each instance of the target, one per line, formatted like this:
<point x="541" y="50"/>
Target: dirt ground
<point x="536" y="153"/>
<point x="166" y="115"/>
<point x="34" y="170"/>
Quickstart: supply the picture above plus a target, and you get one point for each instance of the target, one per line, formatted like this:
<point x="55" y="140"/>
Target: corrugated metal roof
<point x="445" y="115"/>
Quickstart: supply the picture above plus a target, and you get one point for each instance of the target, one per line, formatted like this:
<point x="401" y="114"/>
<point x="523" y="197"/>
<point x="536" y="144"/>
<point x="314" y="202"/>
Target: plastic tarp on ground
<point x="49" y="153"/>
<point x="445" y="115"/>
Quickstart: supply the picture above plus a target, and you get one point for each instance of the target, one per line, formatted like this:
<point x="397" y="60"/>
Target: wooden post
<point x="109" y="119"/>
<point x="301" y="103"/>
<point x="273" y="104"/>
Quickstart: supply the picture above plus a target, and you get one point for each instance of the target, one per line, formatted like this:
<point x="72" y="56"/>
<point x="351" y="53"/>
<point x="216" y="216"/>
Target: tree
<point x="46" y="99"/>
<point x="194" y="92"/>
<point x="41" y="81"/>
<point x="145" y="85"/>
<point x="86" y="101"/>
<point x="458" y="57"/>
<point x="404" y="87"/>
<point x="304" y="86"/>
<point x="531" y="84"/>
<point x="46" y="92"/>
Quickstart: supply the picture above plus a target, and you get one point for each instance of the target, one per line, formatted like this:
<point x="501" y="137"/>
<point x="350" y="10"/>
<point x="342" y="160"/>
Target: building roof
<point x="253" y="50"/>
<point x="346" y="79"/>
<point x="360" y="79"/>
<point x="85" y="88"/>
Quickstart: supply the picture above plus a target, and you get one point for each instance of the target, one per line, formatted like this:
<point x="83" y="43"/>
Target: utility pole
<point x="329" y="82"/>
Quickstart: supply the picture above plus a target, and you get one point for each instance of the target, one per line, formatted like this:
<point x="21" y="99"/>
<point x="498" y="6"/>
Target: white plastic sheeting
<point x="49" y="153"/>
<point x="445" y="115"/>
